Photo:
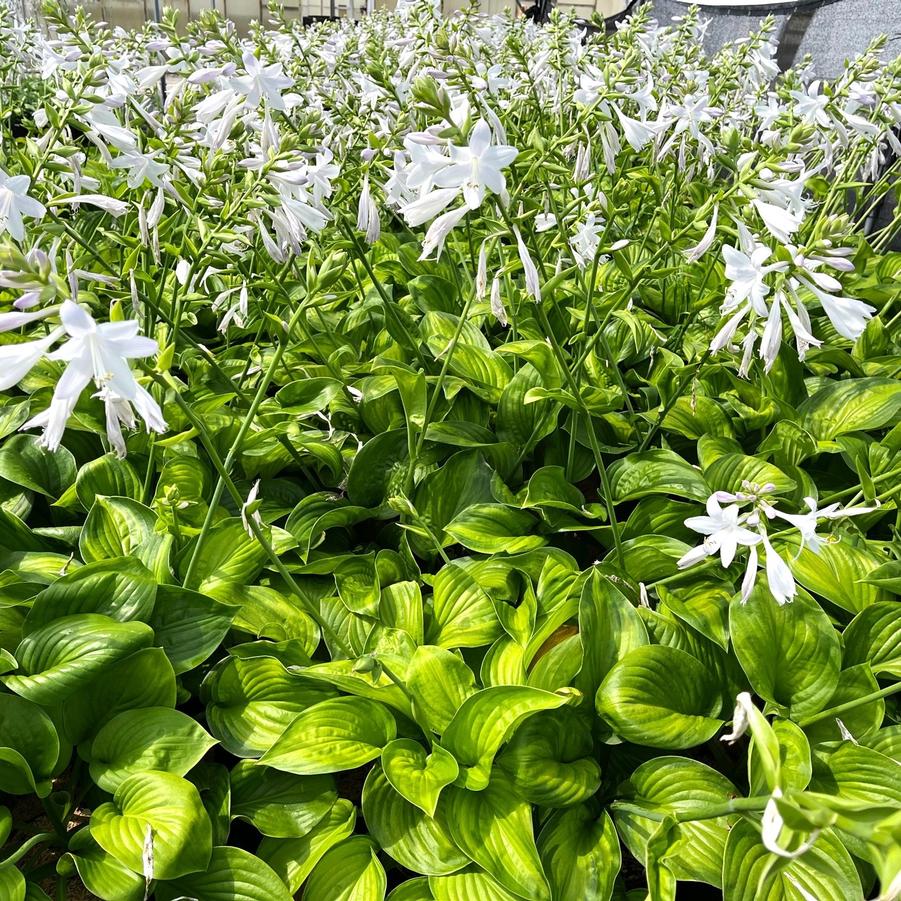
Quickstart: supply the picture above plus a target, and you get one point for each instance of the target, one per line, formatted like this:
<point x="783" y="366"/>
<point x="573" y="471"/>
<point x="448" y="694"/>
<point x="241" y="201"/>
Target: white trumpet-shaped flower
<point x="99" y="352"/>
<point x="15" y="203"/>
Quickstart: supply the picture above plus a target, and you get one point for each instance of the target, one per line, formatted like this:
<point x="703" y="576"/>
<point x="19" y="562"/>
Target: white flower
<point x="141" y="167"/>
<point x="15" y="203"/>
<point x="771" y="826"/>
<point x="108" y="204"/>
<point x="368" y="214"/>
<point x="262" y="82"/>
<point x="17" y="360"/>
<point x="481" y="285"/>
<point x="637" y="133"/>
<point x="533" y="285"/>
<point x="497" y="304"/>
<point x="780" y="223"/>
<point x="778" y="575"/>
<point x="693" y="254"/>
<point x="746" y="272"/>
<point x="250" y="509"/>
<point x="585" y="241"/>
<point x="740" y="718"/>
<point x="477" y="166"/>
<point x="806" y="523"/>
<point x="439" y="230"/>
<point x="811" y="106"/>
<point x="847" y="314"/>
<point x="99" y="352"/>
<point x="725" y="531"/>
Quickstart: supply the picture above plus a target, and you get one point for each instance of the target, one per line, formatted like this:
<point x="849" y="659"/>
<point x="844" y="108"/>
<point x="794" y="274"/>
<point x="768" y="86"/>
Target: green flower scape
<point x="446" y="459"/>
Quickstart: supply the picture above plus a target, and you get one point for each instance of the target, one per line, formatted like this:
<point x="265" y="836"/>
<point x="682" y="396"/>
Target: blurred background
<point x="829" y="30"/>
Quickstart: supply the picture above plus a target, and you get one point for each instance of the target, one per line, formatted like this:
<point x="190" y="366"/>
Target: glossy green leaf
<point x="349" y="871"/>
<point x="294" y="858"/>
<point x="122" y="589"/>
<point x="233" y="874"/>
<point x="333" y="735"/>
<point x="416" y="775"/>
<point x="581" y="855"/>
<point x="486" y="718"/>
<point x="165" y="807"/>
<point x="656" y="472"/>
<point x="24" y="462"/>
<point x="660" y="697"/>
<point x="281" y="805"/>
<point x="64" y="655"/>
<point x="439" y="682"/>
<point x="29" y="747"/>
<point x="790" y="653"/>
<point x="413" y="838"/>
<point x="751" y="873"/>
<point x="150" y="738"/>
<point x="494" y="829"/>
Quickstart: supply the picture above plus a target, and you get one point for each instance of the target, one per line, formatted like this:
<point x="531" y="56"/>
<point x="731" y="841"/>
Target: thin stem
<point x="850" y="705"/>
<point x="35" y="840"/>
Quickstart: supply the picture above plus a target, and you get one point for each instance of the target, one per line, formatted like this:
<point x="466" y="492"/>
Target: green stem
<point x="26" y="846"/>
<point x="704" y="812"/>
<point x="850" y="705"/>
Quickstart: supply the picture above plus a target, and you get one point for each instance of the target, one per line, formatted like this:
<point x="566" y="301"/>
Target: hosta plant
<point x="447" y="459"/>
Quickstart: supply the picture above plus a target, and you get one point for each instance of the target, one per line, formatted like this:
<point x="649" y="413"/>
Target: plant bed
<point x="446" y="459"/>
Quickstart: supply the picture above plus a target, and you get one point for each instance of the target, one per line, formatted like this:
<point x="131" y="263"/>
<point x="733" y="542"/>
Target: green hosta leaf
<point x="188" y="626"/>
<point x="853" y="405"/>
<point x="790" y="653"/>
<point x="281" y="805"/>
<point x="294" y="858"/>
<point x="375" y="467"/>
<point x="730" y="471"/>
<point x="874" y="637"/>
<point x="857" y="773"/>
<point x="29" y="747"/>
<point x="122" y="589"/>
<point x="108" y="476"/>
<point x="63" y="656"/>
<point x="228" y="555"/>
<point x="609" y="627"/>
<point x="251" y="703"/>
<point x="673" y="785"/>
<point x="24" y="462"/>
<point x="264" y="612"/>
<point x="794" y="764"/>
<point x="121" y="527"/>
<point x="463" y="613"/>
<point x="166" y="806"/>
<point x="12" y="884"/>
<point x="838" y="572"/>
<point x="439" y="682"/>
<point x="417" y="776"/>
<point x="656" y="472"/>
<point x="854" y="683"/>
<point x="416" y="889"/>
<point x="494" y="828"/>
<point x="145" y="679"/>
<point x="400" y="607"/>
<point x="494" y="528"/>
<point x="413" y="838"/>
<point x="152" y="738"/>
<point x="306" y="396"/>
<point x="232" y="875"/>
<point x="751" y="873"/>
<point x="549" y="759"/>
<point x="660" y="697"/>
<point x="471" y="884"/>
<point x="703" y="603"/>
<point x="525" y="424"/>
<point x="581" y="855"/>
<point x="484" y="721"/>
<point x="462" y="481"/>
<point x="334" y="735"/>
<point x="101" y="873"/>
<point x="319" y="512"/>
<point x="358" y="584"/>
<point x="349" y="871"/>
